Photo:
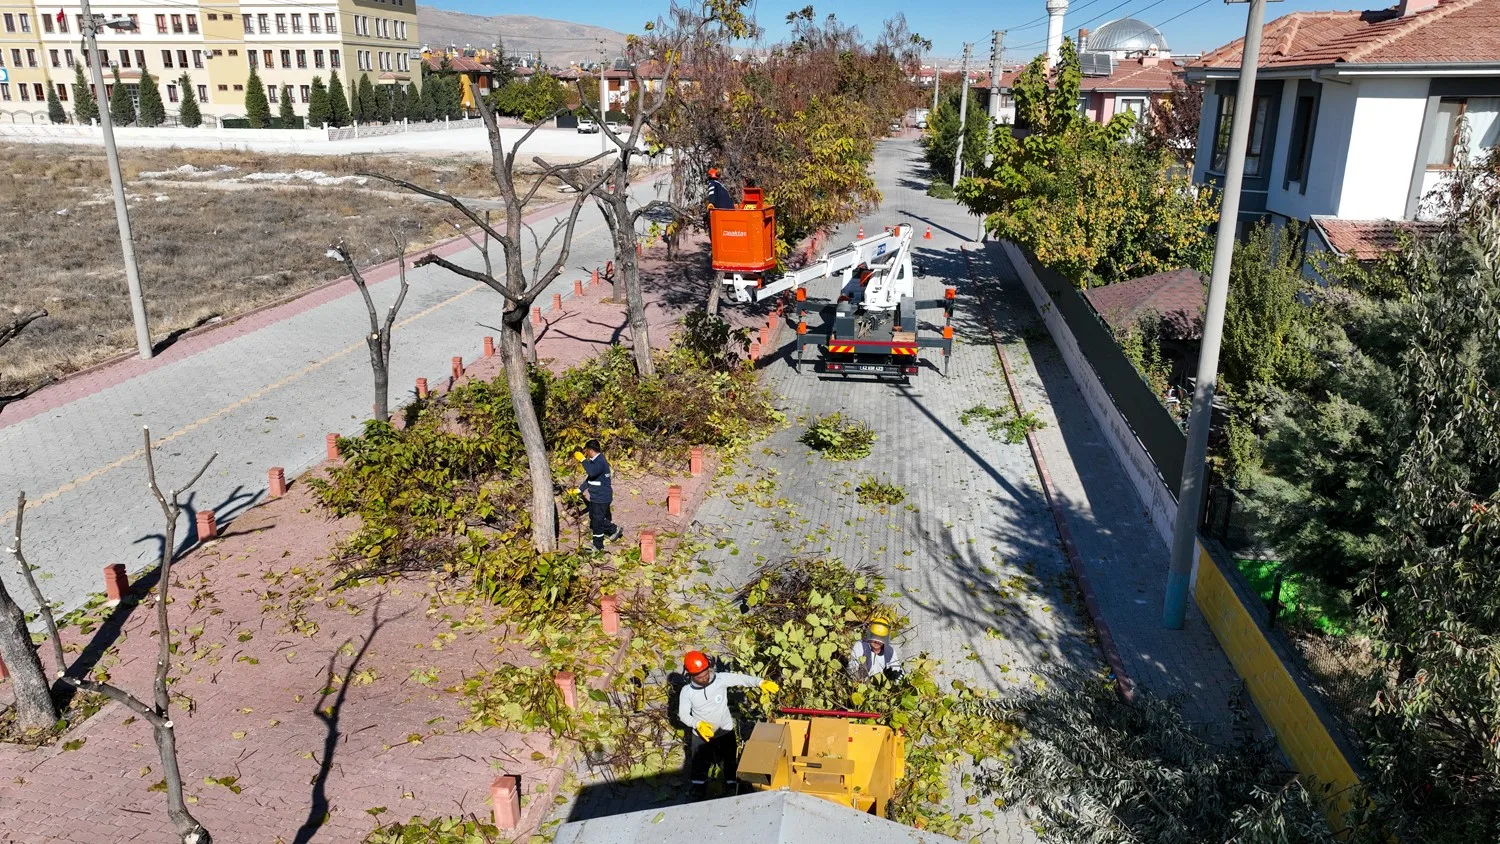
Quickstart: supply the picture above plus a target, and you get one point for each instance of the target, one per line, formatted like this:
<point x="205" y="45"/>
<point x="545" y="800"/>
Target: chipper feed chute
<point x="832" y="755"/>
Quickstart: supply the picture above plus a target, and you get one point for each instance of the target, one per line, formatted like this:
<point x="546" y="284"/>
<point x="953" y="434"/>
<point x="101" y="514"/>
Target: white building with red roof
<point x="1357" y="114"/>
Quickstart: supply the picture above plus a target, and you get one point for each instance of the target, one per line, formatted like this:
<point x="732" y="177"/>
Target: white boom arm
<point x="888" y="255"/>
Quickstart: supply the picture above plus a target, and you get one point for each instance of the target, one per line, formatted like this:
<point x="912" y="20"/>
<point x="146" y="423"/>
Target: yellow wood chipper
<point x="830" y="754"/>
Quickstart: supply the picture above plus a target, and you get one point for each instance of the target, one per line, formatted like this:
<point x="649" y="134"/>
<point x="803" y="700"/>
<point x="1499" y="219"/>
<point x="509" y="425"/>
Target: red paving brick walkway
<point x="265" y="649"/>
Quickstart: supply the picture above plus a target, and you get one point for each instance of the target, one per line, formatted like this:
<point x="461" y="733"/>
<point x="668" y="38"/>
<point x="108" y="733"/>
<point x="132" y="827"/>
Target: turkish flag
<point x="61" y="18"/>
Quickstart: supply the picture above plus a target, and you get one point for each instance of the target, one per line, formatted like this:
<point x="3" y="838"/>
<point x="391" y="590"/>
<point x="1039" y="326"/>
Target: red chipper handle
<point x="828" y="713"/>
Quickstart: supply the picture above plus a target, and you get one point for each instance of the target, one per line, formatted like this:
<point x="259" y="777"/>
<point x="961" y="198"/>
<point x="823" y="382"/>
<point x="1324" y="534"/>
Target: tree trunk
<point x="635" y="299"/>
<point x="715" y="290"/>
<point x="188" y="828"/>
<point x="35" y="709"/>
<point x="543" y="505"/>
<point x="380" y="365"/>
<point x="528" y="338"/>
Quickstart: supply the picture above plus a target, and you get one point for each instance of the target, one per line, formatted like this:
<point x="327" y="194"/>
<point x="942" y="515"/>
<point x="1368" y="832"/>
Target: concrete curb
<point x="1125" y="684"/>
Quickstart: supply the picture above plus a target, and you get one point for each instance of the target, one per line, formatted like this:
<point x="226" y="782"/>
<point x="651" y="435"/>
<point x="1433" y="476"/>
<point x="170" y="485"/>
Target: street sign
<point x="4" y="74"/>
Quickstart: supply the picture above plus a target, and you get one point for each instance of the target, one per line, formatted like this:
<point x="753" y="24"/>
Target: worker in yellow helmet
<point x="703" y="705"/>
<point x="874" y="654"/>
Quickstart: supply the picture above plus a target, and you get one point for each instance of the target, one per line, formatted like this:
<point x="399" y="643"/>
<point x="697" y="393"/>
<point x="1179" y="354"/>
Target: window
<point x="140" y="59"/>
<point x="318" y="59"/>
<point x="177" y="24"/>
<point x="264" y="22"/>
<point x="335" y="59"/>
<point x="2" y="58"/>
<point x="55" y="59"/>
<point x="231" y="52"/>
<point x="10" y="22"/>
<point x="124" y="58"/>
<point x="25" y="91"/>
<point x="31" y="58"/>
<point x="62" y="92"/>
<point x="228" y="16"/>
<point x="166" y="58"/>
<point x="1300" y="152"/>
<point x="304" y="92"/>
<point x="312" y="24"/>
<point x="203" y="92"/>
<point x="172" y="93"/>
<point x="249" y="27"/>
<point x="403" y="30"/>
<point x="281" y="23"/>
<point x="331" y="22"/>
<point x="68" y="57"/>
<point x="198" y="59"/>
<point x="1254" y="149"/>
<point x="254" y="58"/>
<point x="271" y="94"/>
<point x="239" y="87"/>
<point x="214" y="17"/>
<point x="15" y="57"/>
<point x="297" y="23"/>
<point x="5" y="91"/>
<point x="62" y="25"/>
<point x="192" y="22"/>
<point x="286" y="58"/>
<point x="1445" y="139"/>
<point x="267" y="58"/>
<point x="46" y="23"/>
<point x="161" y="24"/>
<point x="26" y="25"/>
<point x="302" y="59"/>
<point x="223" y="87"/>
<point x="41" y="93"/>
<point x="1134" y="105"/>
<point x="135" y="24"/>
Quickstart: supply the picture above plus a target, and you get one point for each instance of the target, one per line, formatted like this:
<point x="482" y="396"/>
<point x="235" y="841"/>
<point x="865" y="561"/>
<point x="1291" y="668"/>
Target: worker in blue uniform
<point x="598" y="489"/>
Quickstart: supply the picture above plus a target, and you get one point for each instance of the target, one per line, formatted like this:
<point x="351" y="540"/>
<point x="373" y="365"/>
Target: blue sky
<point x="1189" y="25"/>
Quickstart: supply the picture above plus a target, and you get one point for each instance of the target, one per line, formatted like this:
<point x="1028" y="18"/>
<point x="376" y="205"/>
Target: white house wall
<point x="1383" y="140"/>
<point x="1330" y="153"/>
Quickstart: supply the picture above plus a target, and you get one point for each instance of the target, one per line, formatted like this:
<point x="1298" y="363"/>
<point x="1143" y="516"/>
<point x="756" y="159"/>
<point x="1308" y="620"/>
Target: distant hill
<point x="559" y="42"/>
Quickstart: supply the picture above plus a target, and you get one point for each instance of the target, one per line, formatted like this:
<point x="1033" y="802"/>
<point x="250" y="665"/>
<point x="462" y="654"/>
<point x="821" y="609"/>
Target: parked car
<point x="587" y="126"/>
<point x="896" y="126"/>
<point x="613" y="126"/>
<point x="921" y="124"/>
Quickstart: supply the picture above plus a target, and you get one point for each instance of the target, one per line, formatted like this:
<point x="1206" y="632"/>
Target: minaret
<point x="1055" y="10"/>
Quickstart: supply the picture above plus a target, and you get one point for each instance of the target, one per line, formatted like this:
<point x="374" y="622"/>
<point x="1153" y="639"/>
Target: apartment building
<point x="216" y="45"/>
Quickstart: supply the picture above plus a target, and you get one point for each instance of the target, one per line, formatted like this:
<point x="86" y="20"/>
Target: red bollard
<point x="609" y="614"/>
<point x="755" y="350"/>
<point x="568" y="686"/>
<point x="333" y="446"/>
<point x="458" y="368"/>
<point x="421" y="388"/>
<point x="536" y="316"/>
<point x="578" y="287"/>
<point x="505" y="793"/>
<point x="489" y="347"/>
<point x="556" y="301"/>
<point x="594" y="280"/>
<point x="648" y="546"/>
<point x="765" y="337"/>
<point x="116" y="584"/>
<point x="4" y="672"/>
<point x="208" y="526"/>
<point x="276" y="481"/>
<point x="674" y="500"/>
<point x="695" y="462"/>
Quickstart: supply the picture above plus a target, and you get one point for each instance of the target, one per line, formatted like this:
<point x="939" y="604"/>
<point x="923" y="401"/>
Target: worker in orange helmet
<point x="718" y="195"/>
<point x="703" y="706"/>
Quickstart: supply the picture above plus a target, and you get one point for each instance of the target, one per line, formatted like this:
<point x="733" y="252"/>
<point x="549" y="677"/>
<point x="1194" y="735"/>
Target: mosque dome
<point x="1127" y="35"/>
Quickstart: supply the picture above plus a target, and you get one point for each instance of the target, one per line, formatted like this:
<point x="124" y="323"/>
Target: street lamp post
<point x="1190" y="497"/>
<point x="91" y="26"/>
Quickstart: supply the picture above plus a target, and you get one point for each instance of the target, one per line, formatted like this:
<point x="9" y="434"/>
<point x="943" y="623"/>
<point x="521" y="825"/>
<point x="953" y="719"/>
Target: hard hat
<point x="713" y="172"/>
<point x="879" y="627"/>
<point x="694" y="662"/>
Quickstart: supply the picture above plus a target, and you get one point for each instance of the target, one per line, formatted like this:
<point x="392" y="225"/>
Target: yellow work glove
<point x="706" y="730"/>
<point x="578" y="455"/>
<point x="769" y="687"/>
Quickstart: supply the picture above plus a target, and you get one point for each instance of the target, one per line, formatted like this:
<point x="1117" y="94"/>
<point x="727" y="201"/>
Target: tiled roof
<point x="1365" y="240"/>
<point x="1135" y="75"/>
<point x="1450" y="31"/>
<point x="1177" y="296"/>
<point x="460" y="64"/>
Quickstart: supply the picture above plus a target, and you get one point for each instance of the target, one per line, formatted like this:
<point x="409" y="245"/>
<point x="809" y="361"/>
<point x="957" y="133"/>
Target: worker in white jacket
<point x="704" y="707"/>
<point x="874" y="654"/>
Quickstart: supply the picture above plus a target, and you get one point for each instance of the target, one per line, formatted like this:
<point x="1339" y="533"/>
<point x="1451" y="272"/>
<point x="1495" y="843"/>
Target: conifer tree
<point x="85" y="107"/>
<point x="367" y="109"/>
<point x="121" y="107"/>
<point x="338" y="101"/>
<point x="257" y="109"/>
<point x="153" y="113"/>
<point x="288" y="113"/>
<point x="318" y="113"/>
<point x="189" y="115"/>
<point x="55" y="111"/>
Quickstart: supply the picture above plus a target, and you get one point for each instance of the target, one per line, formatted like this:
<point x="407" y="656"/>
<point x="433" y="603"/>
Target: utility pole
<point x="603" y="98"/>
<point x="1189" y="496"/>
<point x="963" y="114"/>
<point x="997" y="40"/>
<point x="91" y="25"/>
<point x="937" y="78"/>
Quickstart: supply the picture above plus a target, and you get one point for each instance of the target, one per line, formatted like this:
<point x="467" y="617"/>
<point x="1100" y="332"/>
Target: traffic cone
<point x="861" y="233"/>
<point x="928" y="236"/>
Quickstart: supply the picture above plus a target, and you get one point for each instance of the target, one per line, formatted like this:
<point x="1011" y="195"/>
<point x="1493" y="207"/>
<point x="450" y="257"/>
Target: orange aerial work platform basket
<point x="743" y="239"/>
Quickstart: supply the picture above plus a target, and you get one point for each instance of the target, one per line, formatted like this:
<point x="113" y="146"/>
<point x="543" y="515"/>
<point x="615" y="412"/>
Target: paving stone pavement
<point x="261" y="398"/>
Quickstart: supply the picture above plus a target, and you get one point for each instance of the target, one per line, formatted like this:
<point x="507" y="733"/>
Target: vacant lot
<point x="215" y="241"/>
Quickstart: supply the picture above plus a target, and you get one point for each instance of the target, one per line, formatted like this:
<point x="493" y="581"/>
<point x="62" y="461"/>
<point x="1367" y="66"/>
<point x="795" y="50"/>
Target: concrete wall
<point x="162" y="135"/>
<point x="1382" y="146"/>
<point x="1304" y="729"/>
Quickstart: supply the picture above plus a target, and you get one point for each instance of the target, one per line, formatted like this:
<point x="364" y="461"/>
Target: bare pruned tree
<point x="157" y="713"/>
<point x="528" y="335"/>
<point x="35" y="709"/>
<point x="519" y="286"/>
<point x="379" y="338"/>
<point x="9" y="332"/>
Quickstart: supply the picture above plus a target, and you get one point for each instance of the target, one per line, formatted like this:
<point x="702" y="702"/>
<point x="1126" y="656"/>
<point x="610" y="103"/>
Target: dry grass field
<point x="207" y="245"/>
